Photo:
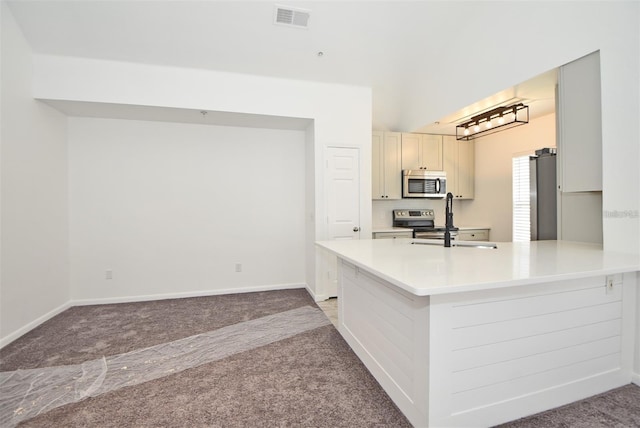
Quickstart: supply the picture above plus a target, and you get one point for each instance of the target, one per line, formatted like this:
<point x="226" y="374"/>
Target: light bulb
<point x="488" y="124"/>
<point x="501" y="120"/>
<point x="466" y="131"/>
<point x="476" y="128"/>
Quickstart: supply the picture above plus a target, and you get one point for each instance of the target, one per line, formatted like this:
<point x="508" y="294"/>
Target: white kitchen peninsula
<point x="468" y="336"/>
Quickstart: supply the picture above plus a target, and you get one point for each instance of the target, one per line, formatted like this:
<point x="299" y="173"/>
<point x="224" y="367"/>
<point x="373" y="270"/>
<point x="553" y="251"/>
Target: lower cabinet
<point x="392" y="235"/>
<point x="473" y="235"/>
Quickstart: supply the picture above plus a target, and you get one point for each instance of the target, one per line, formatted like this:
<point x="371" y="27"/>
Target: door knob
<point x="356" y="229"/>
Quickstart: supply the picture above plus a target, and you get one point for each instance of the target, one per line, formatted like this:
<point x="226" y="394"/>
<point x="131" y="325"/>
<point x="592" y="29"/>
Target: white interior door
<point x="343" y="193"/>
<point x="342" y="187"/>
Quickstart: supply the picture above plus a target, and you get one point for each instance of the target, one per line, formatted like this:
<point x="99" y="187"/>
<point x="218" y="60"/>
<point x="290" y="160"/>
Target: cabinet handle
<point x="356" y="229"/>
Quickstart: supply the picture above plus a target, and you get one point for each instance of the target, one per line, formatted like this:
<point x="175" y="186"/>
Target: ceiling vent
<point x="291" y="17"/>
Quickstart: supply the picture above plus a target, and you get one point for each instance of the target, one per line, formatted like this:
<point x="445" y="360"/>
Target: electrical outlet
<point x="238" y="267"/>
<point x="108" y="274"/>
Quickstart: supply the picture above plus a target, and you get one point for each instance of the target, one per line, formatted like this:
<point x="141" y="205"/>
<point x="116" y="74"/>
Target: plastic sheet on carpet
<point x="27" y="393"/>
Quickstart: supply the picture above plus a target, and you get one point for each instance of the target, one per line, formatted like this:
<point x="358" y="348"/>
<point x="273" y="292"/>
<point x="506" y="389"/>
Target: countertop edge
<point x="480" y="286"/>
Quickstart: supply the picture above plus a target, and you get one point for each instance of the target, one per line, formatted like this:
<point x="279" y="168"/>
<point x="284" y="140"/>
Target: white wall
<point x="310" y="209"/>
<point x="170" y="208"/>
<point x="34" y="258"/>
<point x="341" y="114"/>
<point x="493" y="203"/>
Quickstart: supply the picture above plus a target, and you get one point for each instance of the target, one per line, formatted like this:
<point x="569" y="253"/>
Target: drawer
<point x="473" y="235"/>
<point x="392" y="235"/>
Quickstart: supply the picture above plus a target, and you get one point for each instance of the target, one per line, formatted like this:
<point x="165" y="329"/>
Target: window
<point x="521" y="197"/>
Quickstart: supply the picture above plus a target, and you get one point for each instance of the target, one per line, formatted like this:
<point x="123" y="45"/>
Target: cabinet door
<point x="459" y="164"/>
<point x="450" y="163"/>
<point x="431" y="152"/>
<point x="580" y="125"/>
<point x="386" y="165"/>
<point x="473" y="235"/>
<point x="392" y="151"/>
<point x="466" y="169"/>
<point x="377" y="165"/>
<point x="411" y="151"/>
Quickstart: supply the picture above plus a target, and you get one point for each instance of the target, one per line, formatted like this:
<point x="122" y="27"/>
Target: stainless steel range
<point x="422" y="222"/>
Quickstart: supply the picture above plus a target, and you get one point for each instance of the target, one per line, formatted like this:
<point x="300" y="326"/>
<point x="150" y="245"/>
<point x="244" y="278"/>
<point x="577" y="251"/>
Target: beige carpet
<point x="309" y="378"/>
<point x="312" y="379"/>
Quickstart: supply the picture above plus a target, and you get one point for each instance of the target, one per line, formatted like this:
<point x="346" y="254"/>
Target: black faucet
<point x="448" y="220"/>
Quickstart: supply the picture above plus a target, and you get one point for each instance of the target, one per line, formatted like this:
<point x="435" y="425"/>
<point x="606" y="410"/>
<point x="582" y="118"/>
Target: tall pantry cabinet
<point x="579" y="140"/>
<point x="387" y="165"/>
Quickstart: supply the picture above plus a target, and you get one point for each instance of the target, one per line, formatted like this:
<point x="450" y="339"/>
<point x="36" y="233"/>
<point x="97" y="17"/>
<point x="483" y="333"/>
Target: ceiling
<point x="346" y="42"/>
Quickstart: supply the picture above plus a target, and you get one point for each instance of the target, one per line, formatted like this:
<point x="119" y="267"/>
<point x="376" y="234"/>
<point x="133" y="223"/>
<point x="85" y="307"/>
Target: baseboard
<point x="635" y="378"/>
<point x="33" y="324"/>
<point x="319" y="297"/>
<point x="311" y="293"/>
<point x="128" y="299"/>
<point x="202" y="293"/>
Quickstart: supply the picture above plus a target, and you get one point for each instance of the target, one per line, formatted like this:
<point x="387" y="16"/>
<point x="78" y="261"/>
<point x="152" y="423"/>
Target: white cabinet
<point x="580" y="125"/>
<point x="421" y="151"/>
<point x="387" y="167"/>
<point x="473" y="235"/>
<point x="579" y="133"/>
<point x="459" y="164"/>
<point x="392" y="235"/>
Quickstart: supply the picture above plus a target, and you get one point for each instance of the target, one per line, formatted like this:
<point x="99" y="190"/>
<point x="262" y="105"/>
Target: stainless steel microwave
<point x="421" y="183"/>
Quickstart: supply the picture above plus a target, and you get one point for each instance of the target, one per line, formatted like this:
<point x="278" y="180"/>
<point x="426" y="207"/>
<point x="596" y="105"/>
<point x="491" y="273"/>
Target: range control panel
<point x="413" y="214"/>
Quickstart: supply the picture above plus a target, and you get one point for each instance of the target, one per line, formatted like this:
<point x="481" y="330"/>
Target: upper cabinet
<point x="580" y="125"/>
<point x="387" y="167"/>
<point x="394" y="151"/>
<point x="459" y="164"/>
<point x="422" y="151"/>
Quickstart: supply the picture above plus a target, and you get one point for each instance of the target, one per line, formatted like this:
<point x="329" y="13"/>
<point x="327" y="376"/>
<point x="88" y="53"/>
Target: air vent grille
<point x="291" y="17"/>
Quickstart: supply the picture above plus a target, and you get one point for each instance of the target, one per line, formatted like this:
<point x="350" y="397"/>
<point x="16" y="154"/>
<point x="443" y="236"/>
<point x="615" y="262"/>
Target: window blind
<point x="521" y="198"/>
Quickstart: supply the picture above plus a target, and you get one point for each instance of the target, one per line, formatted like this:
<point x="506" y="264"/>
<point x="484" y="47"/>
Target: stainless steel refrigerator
<point x="543" y="203"/>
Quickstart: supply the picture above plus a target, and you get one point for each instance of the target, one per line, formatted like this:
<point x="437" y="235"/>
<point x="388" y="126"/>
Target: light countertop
<point x="432" y="269"/>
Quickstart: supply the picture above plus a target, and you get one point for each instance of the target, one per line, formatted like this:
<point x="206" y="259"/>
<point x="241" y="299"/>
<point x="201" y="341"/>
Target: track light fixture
<point x="497" y="119"/>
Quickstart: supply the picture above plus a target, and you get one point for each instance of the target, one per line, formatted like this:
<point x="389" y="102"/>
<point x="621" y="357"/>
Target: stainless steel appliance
<point x="420" y="183"/>
<point x="422" y="222"/>
<point x="543" y="188"/>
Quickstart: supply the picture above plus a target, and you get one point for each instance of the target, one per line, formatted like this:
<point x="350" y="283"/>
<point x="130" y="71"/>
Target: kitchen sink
<point x="472" y="244"/>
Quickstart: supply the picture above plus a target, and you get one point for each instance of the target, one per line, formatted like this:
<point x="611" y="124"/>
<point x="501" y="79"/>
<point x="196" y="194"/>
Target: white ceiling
<point x="367" y="43"/>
